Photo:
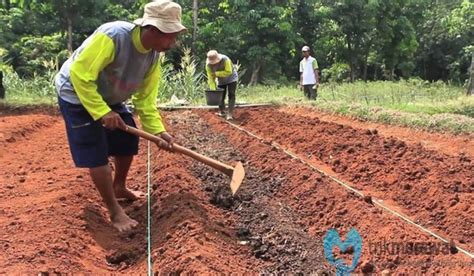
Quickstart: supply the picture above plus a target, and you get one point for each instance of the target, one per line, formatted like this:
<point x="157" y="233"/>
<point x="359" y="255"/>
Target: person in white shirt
<point x="309" y="77"/>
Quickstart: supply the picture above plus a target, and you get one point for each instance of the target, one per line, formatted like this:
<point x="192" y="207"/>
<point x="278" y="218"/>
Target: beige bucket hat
<point x="213" y="57"/>
<point x="164" y="15"/>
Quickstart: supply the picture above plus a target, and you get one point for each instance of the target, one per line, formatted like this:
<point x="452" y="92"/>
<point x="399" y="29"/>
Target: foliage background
<point x="351" y="39"/>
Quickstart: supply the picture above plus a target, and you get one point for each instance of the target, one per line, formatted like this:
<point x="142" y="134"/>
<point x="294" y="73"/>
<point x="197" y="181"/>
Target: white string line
<point x="375" y="201"/>
<point x="148" y="228"/>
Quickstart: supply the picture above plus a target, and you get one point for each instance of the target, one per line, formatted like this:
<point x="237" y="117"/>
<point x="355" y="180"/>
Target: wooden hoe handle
<point x="226" y="169"/>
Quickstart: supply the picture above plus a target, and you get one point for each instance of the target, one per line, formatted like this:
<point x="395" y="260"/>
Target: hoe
<point x="237" y="174"/>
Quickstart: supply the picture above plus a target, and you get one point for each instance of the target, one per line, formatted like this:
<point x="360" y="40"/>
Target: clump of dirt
<point x="123" y="256"/>
<point x="221" y="197"/>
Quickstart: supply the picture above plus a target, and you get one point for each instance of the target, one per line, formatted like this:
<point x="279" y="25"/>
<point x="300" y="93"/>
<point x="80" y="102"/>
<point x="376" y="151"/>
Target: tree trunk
<point x="195" y="25"/>
<point x="255" y="73"/>
<point x="2" y="89"/>
<point x="470" y="86"/>
<point x="351" y="63"/>
<point x="69" y="34"/>
<point x="424" y="68"/>
<point x="365" y="69"/>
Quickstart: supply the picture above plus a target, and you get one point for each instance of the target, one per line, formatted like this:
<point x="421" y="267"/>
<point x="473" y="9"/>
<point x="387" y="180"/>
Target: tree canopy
<point x="351" y="39"/>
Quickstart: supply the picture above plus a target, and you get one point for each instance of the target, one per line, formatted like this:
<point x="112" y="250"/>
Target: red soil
<point x="323" y="204"/>
<point x="442" y="142"/>
<point x="52" y="219"/>
<point x="433" y="188"/>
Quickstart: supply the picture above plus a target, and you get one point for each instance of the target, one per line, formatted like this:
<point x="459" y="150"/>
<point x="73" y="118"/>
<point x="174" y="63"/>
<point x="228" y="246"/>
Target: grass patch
<point x="412" y="103"/>
<point x="36" y="91"/>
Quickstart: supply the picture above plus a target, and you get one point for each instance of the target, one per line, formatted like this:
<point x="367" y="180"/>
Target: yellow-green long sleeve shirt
<point x="224" y="71"/>
<point x="110" y="67"/>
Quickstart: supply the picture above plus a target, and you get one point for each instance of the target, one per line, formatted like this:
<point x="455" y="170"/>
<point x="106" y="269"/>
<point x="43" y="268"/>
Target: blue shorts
<point x="90" y="143"/>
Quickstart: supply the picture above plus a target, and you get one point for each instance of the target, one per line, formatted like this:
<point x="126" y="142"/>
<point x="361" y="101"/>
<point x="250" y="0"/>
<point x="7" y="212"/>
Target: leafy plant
<point x="185" y="83"/>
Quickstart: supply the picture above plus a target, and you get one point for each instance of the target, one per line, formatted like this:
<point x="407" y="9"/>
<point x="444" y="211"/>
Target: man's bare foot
<point x="128" y="194"/>
<point x="122" y="222"/>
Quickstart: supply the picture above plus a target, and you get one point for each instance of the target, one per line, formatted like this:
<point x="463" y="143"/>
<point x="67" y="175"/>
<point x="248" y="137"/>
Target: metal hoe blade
<point x="237" y="177"/>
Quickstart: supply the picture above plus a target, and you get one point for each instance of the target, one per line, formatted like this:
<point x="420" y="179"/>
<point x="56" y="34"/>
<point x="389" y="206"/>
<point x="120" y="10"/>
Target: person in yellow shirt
<point x="220" y="67"/>
<point x="119" y="61"/>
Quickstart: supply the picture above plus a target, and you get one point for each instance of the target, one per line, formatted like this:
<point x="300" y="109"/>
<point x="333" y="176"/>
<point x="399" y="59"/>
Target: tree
<point x="264" y="35"/>
<point x="445" y="30"/>
<point x="470" y="86"/>
<point x="87" y="12"/>
<point x="396" y="38"/>
<point x="427" y="38"/>
<point x="2" y="89"/>
<point x="355" y="20"/>
<point x="195" y="25"/>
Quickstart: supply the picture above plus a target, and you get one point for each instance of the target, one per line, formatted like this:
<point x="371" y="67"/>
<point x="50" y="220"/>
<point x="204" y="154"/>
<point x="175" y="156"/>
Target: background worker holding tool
<point x="117" y="62"/>
<point x="220" y="66"/>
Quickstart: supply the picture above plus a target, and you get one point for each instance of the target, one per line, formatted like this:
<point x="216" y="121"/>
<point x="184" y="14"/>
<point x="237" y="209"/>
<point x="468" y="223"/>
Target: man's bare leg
<point x="122" y="165"/>
<point x="102" y="178"/>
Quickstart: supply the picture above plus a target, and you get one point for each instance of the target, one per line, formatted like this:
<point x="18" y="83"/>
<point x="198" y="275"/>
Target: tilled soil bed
<point x="52" y="219"/>
<point x="435" y="189"/>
